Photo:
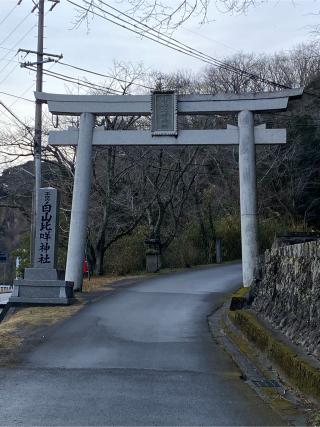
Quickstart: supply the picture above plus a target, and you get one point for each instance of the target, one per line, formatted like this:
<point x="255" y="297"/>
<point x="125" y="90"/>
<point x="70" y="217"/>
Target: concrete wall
<point x="287" y="292"/>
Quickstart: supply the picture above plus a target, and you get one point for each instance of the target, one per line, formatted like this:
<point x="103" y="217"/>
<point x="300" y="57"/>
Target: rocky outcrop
<point x="287" y="292"/>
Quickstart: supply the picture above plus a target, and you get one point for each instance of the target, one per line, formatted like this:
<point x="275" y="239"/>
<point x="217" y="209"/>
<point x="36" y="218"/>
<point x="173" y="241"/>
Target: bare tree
<point x="165" y="189"/>
<point x="161" y="15"/>
<point x="238" y="6"/>
<point x="170" y="175"/>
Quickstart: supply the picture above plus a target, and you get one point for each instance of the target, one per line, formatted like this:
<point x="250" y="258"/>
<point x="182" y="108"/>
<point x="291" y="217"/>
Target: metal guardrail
<point x="6" y="288"/>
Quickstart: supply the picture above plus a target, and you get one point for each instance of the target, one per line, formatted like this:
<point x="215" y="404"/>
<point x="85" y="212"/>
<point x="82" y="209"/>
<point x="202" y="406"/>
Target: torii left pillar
<point x="80" y="202"/>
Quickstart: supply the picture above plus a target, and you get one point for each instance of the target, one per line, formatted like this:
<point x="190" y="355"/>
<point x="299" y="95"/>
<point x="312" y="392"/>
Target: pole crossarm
<point x="229" y="136"/>
<point x="187" y="104"/>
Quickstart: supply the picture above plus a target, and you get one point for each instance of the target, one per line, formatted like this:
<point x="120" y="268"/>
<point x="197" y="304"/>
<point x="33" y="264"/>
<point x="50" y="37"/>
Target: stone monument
<point x="218" y="250"/>
<point x="43" y="283"/>
<point x="153" y="255"/>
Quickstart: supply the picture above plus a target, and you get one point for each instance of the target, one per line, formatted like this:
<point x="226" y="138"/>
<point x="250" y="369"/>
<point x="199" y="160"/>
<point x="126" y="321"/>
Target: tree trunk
<point x="91" y="258"/>
<point x="99" y="267"/>
<point x="202" y="226"/>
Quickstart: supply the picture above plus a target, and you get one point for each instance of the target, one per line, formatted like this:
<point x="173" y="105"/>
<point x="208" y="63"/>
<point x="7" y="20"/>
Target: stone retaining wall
<point x="287" y="292"/>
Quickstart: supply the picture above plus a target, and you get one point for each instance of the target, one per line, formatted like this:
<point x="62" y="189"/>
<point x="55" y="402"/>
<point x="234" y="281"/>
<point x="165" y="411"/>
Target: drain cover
<point x="265" y="383"/>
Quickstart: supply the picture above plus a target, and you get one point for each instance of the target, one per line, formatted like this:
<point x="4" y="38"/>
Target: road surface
<point x="4" y="298"/>
<point x="142" y="355"/>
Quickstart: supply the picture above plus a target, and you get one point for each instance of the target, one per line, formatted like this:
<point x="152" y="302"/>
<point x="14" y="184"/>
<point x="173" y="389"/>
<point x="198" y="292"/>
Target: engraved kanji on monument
<point x="46" y="229"/>
<point x="43" y="283"/>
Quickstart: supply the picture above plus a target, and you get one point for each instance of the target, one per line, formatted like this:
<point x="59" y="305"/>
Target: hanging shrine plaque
<point x="164" y="113"/>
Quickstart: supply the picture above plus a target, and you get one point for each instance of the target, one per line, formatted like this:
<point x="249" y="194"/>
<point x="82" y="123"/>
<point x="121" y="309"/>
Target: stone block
<point x="152" y="262"/>
<point x="298" y="251"/>
<point x="267" y="256"/>
<point x="51" y="292"/>
<point x="288" y="295"/>
<point x="237" y="303"/>
<point x="43" y="274"/>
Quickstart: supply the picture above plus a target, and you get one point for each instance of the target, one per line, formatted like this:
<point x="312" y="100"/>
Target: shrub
<point x="127" y="255"/>
<point x="228" y="229"/>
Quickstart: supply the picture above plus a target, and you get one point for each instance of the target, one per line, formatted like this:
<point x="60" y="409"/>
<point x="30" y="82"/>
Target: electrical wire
<point x="10" y="60"/>
<point x="175" y="44"/>
<point x="20" y="40"/>
<point x="6" y="48"/>
<point x="103" y="75"/>
<point x="28" y="88"/>
<point x="16" y="117"/>
<point x="150" y="29"/>
<point x="75" y="80"/>
<point x="202" y="56"/>
<point x="8" y="14"/>
<point x="172" y="43"/>
<point x="21" y="96"/>
<point x="8" y="74"/>
<point x="141" y="33"/>
<point x="16" y="44"/>
<point x="16" y="96"/>
<point x="15" y="28"/>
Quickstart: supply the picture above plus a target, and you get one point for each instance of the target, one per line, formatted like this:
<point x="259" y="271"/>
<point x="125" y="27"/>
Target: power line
<point x="6" y="116"/>
<point x="175" y="44"/>
<point x="8" y="74"/>
<point x="75" y="80"/>
<point x="15" y="28"/>
<point x="16" y="117"/>
<point x="211" y="39"/>
<point x="171" y="42"/>
<point x="21" y="96"/>
<point x="6" y="48"/>
<point x="154" y="32"/>
<point x="103" y="75"/>
<point x="27" y="90"/>
<point x="10" y="60"/>
<point x="140" y="33"/>
<point x="16" y="44"/>
<point x="20" y="40"/>
<point x="16" y="96"/>
<point x="8" y="14"/>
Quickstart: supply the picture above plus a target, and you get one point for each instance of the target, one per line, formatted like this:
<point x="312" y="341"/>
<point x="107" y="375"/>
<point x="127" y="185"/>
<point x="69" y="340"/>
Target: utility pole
<point x="38" y="114"/>
<point x="37" y="140"/>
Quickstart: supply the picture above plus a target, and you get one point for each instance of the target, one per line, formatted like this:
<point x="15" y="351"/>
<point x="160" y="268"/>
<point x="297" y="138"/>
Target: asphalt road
<point x="142" y="355"/>
<point x="4" y="298"/>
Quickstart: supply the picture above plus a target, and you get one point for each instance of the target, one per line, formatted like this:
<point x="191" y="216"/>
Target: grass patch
<point x="316" y="419"/>
<point x="103" y="283"/>
<point x="298" y="371"/>
<point x="241" y="292"/>
<point x="15" y="329"/>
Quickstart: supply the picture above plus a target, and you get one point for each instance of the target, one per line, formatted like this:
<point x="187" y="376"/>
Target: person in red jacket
<point x="85" y="269"/>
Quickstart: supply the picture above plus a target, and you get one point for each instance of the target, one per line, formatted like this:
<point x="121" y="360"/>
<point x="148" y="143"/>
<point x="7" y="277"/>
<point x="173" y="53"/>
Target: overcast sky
<point x="274" y="26"/>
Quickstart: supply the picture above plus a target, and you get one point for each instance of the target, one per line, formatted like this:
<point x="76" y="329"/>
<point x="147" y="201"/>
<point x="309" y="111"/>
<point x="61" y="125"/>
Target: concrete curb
<point x="265" y="382"/>
<point x="295" y="368"/>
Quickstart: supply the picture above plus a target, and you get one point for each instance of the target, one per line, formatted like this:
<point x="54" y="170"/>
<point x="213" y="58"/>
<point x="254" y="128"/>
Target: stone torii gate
<point x="164" y="108"/>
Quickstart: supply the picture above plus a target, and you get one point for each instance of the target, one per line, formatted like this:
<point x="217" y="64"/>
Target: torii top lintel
<point x="187" y="104"/>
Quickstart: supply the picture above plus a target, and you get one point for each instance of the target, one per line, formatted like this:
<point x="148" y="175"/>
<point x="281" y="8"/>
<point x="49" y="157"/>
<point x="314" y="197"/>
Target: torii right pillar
<point x="248" y="196"/>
